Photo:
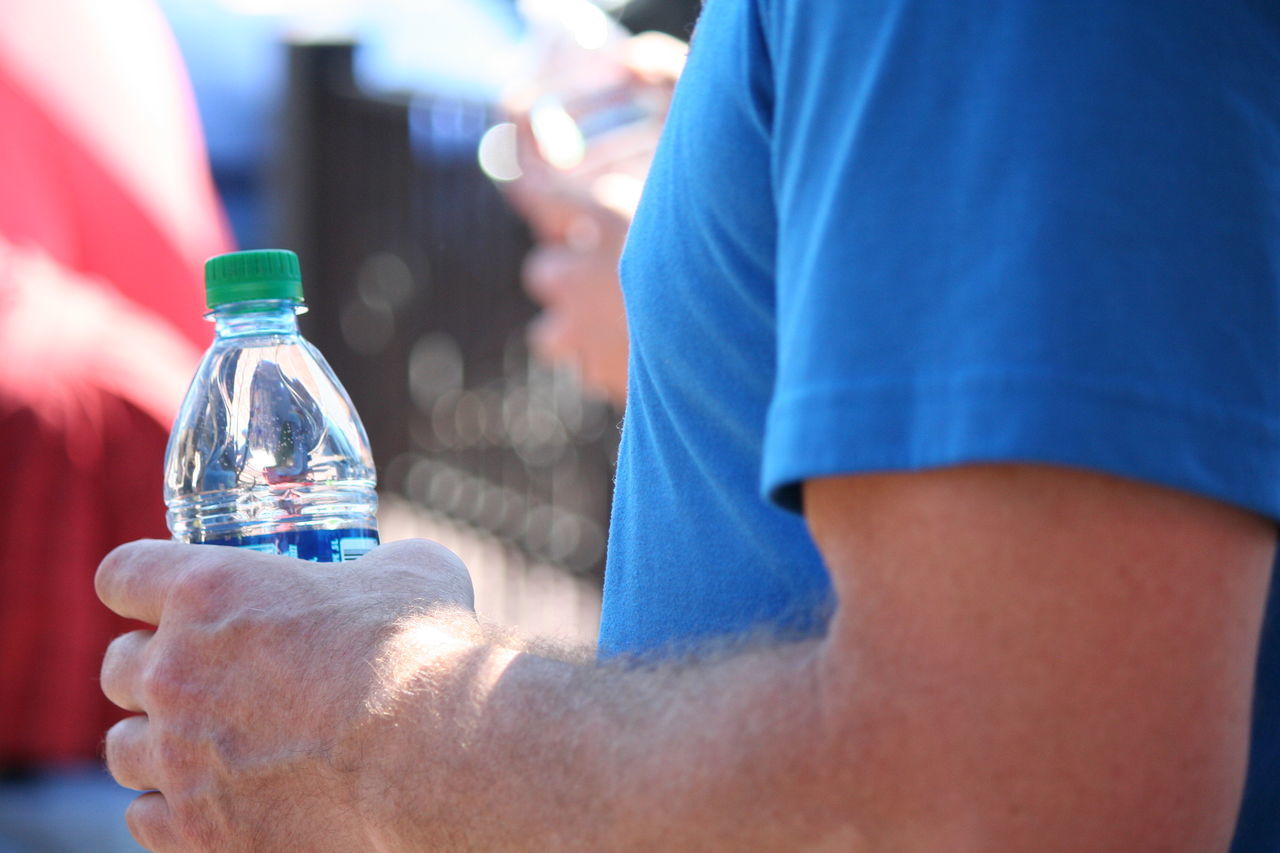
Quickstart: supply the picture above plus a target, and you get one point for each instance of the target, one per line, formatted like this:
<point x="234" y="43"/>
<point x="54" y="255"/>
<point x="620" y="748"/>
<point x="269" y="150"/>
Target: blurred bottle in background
<point x="420" y="261"/>
<point x="595" y="96"/>
<point x="584" y="121"/>
<point x="588" y="113"/>
<point x="236" y="51"/>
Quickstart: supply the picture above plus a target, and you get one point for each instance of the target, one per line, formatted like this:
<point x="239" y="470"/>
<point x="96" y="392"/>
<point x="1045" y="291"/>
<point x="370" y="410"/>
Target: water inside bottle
<point x="267" y="451"/>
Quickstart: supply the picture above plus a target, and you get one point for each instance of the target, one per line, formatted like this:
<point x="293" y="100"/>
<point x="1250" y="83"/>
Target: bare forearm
<point x="1046" y="707"/>
<point x="552" y="755"/>
<point x="1055" y="666"/>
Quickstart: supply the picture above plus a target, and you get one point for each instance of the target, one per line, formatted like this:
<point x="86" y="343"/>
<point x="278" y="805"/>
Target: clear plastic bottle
<point x="267" y="451"/>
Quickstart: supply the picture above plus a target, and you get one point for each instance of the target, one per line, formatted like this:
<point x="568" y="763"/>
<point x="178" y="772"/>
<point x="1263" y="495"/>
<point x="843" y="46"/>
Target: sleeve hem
<point x="919" y="423"/>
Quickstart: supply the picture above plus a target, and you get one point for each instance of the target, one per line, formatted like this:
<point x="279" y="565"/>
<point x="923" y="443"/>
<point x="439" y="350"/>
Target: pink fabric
<point x="106" y="213"/>
<point x="122" y="161"/>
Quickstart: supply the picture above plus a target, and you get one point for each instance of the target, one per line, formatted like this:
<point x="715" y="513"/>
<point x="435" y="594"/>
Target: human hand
<point x="579" y="220"/>
<point x="263" y="687"/>
<point x="549" y="197"/>
<point x="583" y="323"/>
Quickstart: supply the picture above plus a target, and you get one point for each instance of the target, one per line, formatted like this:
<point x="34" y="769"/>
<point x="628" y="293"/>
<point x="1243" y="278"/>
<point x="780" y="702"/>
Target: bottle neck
<point x="256" y="317"/>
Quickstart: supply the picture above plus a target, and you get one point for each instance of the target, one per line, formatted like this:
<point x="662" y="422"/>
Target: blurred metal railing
<point x="411" y="258"/>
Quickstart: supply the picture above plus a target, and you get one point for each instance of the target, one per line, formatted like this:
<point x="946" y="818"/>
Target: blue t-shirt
<point x="893" y="234"/>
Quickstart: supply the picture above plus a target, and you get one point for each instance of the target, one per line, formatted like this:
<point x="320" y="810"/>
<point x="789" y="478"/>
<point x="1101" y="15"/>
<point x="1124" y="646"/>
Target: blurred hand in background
<point x="579" y="218"/>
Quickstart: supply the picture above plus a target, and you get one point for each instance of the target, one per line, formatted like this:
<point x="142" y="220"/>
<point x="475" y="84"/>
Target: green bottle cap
<point x="256" y="274"/>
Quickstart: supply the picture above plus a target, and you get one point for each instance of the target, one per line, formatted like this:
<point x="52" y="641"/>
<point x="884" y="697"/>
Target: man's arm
<point x="1043" y="658"/>
<point x="1022" y="658"/>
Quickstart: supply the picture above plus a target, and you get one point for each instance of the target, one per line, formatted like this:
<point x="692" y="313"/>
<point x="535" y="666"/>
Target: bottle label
<point x="318" y="546"/>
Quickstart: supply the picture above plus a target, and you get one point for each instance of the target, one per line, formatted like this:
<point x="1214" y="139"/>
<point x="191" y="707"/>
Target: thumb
<point x="431" y="572"/>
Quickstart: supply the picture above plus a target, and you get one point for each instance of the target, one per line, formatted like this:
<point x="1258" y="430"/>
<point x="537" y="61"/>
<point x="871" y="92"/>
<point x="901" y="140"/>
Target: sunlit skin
<point x="1023" y="658"/>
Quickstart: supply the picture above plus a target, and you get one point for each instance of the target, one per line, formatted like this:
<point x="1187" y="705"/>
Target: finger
<point x="541" y="198"/>
<point x="122" y="668"/>
<point x="584" y="232"/>
<point x="549" y="339"/>
<point x="151" y="823"/>
<point x="546" y="217"/>
<point x="134" y="580"/>
<point x="605" y="373"/>
<point x="127" y="750"/>
<point x="546" y="272"/>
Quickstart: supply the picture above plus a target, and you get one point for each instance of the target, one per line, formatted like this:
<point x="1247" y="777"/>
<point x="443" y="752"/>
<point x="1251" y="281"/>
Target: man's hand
<point x="579" y="221"/>
<point x="583" y="323"/>
<point x="1022" y="658"/>
<point x="261" y="684"/>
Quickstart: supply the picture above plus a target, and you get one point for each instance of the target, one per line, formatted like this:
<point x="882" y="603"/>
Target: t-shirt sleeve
<point x="1041" y="232"/>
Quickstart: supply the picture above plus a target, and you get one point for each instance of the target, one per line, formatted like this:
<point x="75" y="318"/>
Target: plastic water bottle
<point x="590" y="116"/>
<point x="267" y="452"/>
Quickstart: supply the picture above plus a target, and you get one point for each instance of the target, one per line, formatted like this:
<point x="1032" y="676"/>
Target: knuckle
<point x="449" y="572"/>
<point x="439" y="552"/>
<point x="166" y="683"/>
<point x="435" y="556"/>
<point x="173" y="754"/>
<point x="205" y="586"/>
<point x="463" y="591"/>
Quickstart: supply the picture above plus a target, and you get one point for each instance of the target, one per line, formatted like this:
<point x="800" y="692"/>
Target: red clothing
<point x="60" y="515"/>
<point x="106" y="213"/>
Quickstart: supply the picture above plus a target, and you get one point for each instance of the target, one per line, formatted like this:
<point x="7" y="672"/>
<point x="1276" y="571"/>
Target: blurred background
<point x="456" y="177"/>
<point x="351" y="132"/>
